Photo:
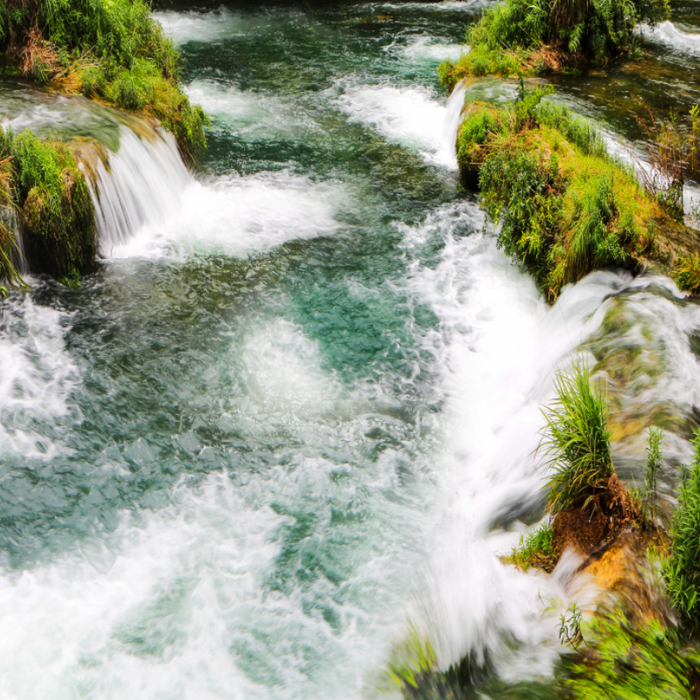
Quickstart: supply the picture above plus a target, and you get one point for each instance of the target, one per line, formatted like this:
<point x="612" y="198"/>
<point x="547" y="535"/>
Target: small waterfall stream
<point x="140" y="185"/>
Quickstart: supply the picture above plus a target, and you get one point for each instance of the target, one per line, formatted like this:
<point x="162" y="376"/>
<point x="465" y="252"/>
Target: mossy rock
<point x="59" y="233"/>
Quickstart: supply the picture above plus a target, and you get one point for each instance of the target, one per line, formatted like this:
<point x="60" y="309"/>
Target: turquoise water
<point x="296" y="408"/>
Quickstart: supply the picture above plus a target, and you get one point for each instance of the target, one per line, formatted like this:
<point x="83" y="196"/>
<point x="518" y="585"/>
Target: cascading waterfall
<point x="298" y="408"/>
<point x="139" y="185"/>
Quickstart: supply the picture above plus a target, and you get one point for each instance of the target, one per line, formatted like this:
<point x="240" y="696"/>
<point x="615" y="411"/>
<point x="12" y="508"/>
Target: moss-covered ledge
<point x="46" y="196"/>
<point x="565" y="206"/>
<point x="540" y="37"/>
<point x="110" y="50"/>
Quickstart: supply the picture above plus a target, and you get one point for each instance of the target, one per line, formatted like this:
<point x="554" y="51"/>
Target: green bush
<point x="682" y="570"/>
<point x="577" y="441"/>
<point x="595" y="30"/>
<point x="686" y="272"/>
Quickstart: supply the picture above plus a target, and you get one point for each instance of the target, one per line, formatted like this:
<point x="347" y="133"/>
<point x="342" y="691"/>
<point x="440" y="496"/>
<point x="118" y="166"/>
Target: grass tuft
<point x="682" y="569"/>
<point x="577" y="441"/>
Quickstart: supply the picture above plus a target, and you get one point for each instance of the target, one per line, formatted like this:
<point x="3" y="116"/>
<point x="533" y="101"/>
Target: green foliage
<point x="686" y="272"/>
<point x="682" y="570"/>
<point x="570" y="627"/>
<point x="577" y="441"/>
<point x="411" y="661"/>
<point x="112" y="49"/>
<point x="653" y="468"/>
<point x="595" y="30"/>
<point x="537" y="550"/>
<point x="523" y="190"/>
<point x="577" y="131"/>
<point x="51" y="195"/>
<point x="643" y="661"/>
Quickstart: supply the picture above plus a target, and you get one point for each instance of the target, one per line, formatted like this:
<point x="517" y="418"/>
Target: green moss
<point x="535" y="551"/>
<point x="52" y="198"/>
<point x="110" y="49"/>
<point x="565" y="207"/>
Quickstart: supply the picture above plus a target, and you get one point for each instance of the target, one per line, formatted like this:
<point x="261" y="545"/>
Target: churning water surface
<point x="296" y="409"/>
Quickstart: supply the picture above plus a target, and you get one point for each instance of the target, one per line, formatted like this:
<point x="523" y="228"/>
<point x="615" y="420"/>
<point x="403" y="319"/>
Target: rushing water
<point x="298" y="405"/>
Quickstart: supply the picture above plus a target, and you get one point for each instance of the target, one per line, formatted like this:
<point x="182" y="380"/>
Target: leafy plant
<point x="570" y="627"/>
<point x="112" y="49"/>
<point x="686" y="272"/>
<point x="682" y="569"/>
<point x="641" y="661"/>
<point x="411" y="660"/>
<point x="577" y="441"/>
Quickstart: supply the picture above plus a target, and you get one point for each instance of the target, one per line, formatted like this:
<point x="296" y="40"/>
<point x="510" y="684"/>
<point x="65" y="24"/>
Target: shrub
<point x="594" y="30"/>
<point x="577" y="441"/>
<point x="682" y="570"/>
<point x="653" y="467"/>
<point x="52" y="197"/>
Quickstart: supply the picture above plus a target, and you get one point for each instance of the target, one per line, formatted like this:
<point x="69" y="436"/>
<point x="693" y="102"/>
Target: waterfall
<point x="447" y="154"/>
<point x="139" y="184"/>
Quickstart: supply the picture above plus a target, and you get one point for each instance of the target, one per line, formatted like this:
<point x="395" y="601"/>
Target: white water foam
<point x="36" y="378"/>
<point x="410" y="116"/>
<point x="235" y="215"/>
<point x="182" y="603"/>
<point x="208" y="27"/>
<point x="141" y="185"/>
<point x="427" y="48"/>
<point x="244" y="112"/>
<point x="667" y="33"/>
<point x="500" y="346"/>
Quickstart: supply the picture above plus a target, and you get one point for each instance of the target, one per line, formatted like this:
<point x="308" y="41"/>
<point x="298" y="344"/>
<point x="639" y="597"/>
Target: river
<point x="295" y="412"/>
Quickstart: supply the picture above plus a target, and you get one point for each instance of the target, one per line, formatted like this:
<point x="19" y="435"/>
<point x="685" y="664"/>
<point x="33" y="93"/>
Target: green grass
<point x="625" y="661"/>
<point x="653" y="468"/>
<point x="686" y="272"/>
<point x="577" y="441"/>
<point x="682" y="570"/>
<point x="110" y="49"/>
<point x="535" y="551"/>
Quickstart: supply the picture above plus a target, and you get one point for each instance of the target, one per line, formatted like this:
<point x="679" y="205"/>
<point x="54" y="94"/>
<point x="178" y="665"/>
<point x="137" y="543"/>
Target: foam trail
<point x="36" y="379"/>
<point x="232" y="215"/>
<point x="210" y="27"/>
<point x="426" y="48"/>
<point x="667" y="33"/>
<point x="410" y="116"/>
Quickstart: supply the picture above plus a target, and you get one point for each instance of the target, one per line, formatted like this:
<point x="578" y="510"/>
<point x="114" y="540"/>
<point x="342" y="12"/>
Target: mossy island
<point x="113" y="52"/>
